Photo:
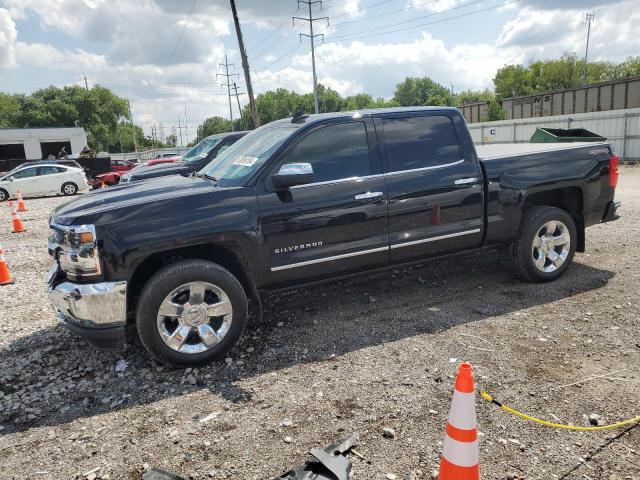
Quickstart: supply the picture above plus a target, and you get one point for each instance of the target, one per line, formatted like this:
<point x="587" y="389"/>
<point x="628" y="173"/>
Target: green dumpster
<point x="561" y="135"/>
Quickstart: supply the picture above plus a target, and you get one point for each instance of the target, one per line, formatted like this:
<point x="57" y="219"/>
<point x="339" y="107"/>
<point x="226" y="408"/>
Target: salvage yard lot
<point x="358" y="355"/>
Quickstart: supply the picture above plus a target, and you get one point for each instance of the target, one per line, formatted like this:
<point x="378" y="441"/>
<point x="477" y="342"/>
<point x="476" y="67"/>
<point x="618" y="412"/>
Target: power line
<point x="184" y="27"/>
<point x="357" y="35"/>
<point x="404" y="22"/>
<point x="311" y="37"/>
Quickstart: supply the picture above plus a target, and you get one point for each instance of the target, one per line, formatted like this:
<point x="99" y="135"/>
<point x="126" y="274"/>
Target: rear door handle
<point x="364" y="196"/>
<point x="464" y="181"/>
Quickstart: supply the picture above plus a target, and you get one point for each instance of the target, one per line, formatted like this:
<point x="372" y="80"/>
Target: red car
<point x="121" y="165"/>
<point x="158" y="161"/>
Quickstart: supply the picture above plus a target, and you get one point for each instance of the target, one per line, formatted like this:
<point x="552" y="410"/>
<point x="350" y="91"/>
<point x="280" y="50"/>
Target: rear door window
<point x="26" y="173"/>
<point x="49" y="170"/>
<point x="335" y="152"/>
<point x="419" y="142"/>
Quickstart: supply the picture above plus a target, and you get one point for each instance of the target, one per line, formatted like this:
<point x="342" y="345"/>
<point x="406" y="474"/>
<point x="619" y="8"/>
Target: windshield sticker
<point x="245" y="161"/>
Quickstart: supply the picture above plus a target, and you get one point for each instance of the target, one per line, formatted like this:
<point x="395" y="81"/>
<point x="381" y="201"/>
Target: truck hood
<point x="129" y="195"/>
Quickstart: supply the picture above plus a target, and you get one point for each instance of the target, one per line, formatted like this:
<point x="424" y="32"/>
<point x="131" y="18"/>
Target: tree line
<point x="105" y="116"/>
<point x="510" y="81"/>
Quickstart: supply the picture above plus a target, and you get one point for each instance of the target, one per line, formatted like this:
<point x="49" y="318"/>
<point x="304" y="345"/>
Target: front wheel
<point x="69" y="188"/>
<point x="4" y="195"/>
<point x="545" y="244"/>
<point x="191" y="312"/>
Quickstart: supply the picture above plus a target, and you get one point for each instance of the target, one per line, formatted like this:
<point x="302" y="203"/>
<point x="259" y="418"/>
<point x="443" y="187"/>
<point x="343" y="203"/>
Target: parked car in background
<point x="118" y="167"/>
<point x="42" y="179"/>
<point x="192" y="161"/>
<point x="122" y="165"/>
<point x="68" y="163"/>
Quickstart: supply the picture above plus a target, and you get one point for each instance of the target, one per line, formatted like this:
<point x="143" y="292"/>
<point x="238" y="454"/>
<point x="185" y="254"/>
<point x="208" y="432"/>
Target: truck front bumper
<point x="94" y="311"/>
<point x="611" y="212"/>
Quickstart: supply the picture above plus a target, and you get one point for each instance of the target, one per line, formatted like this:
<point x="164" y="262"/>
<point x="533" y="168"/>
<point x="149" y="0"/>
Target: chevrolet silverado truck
<point x="311" y="199"/>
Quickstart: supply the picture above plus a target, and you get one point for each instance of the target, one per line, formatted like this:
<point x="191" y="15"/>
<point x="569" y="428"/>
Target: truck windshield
<point x="201" y="149"/>
<point x="234" y="165"/>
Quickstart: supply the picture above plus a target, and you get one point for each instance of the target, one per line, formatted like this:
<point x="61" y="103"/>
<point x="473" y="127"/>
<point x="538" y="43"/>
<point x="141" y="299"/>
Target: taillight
<point x="614" y="163"/>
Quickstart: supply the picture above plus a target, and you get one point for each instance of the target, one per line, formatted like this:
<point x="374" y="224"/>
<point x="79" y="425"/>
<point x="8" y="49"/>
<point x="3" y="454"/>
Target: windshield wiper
<point x="204" y="175"/>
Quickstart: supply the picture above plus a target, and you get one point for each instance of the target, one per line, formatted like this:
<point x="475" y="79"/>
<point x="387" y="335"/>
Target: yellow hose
<point x="489" y="398"/>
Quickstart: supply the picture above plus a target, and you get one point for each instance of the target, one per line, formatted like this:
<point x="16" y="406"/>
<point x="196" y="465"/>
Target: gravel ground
<point x="356" y="356"/>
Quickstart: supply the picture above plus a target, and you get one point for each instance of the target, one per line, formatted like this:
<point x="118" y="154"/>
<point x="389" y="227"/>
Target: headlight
<point x="76" y="249"/>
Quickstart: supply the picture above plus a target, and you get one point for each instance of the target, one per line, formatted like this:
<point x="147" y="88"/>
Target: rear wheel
<point x="69" y="188"/>
<point x="191" y="312"/>
<point x="4" y="195"/>
<point x="545" y="244"/>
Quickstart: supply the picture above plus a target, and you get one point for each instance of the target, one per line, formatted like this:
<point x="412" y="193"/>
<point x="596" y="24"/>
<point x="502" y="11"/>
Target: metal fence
<point x="620" y="127"/>
<point x="149" y="154"/>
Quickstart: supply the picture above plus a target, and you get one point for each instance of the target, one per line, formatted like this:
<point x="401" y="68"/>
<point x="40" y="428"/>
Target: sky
<point x="165" y="55"/>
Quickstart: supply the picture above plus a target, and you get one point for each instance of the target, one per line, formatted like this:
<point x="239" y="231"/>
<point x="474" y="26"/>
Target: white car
<point x="42" y="179"/>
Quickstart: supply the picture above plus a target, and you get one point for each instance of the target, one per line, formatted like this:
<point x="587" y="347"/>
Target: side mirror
<point x="291" y="174"/>
<point x="11" y="179"/>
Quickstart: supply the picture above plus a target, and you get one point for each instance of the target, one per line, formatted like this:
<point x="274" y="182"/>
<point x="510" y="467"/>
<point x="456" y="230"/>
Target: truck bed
<point x="501" y="150"/>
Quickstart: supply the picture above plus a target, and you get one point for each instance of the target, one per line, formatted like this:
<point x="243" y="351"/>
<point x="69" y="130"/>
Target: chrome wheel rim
<point x="69" y="189"/>
<point x="194" y="317"/>
<point x="551" y="246"/>
<point x="3" y="196"/>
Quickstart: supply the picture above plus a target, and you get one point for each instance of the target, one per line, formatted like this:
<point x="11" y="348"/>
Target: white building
<point x="37" y="143"/>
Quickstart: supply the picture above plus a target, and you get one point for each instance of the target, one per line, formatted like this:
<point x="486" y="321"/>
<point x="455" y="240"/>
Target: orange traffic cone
<point x="460" y="459"/>
<point x="21" y="205"/>
<point x="5" y="277"/>
<point x="18" y="226"/>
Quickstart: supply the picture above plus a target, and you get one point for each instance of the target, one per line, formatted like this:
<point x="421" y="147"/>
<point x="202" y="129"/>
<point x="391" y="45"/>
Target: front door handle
<point x="464" y="181"/>
<point x="364" y="196"/>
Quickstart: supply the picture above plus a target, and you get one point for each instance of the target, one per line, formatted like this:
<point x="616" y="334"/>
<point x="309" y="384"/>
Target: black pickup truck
<point x="309" y="199"/>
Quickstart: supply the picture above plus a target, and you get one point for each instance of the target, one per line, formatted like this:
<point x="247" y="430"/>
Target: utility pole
<point x="311" y="36"/>
<point x="180" y="130"/>
<point x="133" y="130"/>
<point x="588" y="18"/>
<point x="226" y="65"/>
<point x="186" y="126"/>
<point x="86" y="84"/>
<point x="245" y="66"/>
<point x="237" y="95"/>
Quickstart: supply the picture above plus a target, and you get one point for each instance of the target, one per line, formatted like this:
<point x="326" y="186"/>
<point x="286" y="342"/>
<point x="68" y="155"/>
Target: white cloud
<point x="541" y="33"/>
<point x="433" y="5"/>
<point x="8" y="35"/>
<point x="377" y="68"/>
<point x="49" y="57"/>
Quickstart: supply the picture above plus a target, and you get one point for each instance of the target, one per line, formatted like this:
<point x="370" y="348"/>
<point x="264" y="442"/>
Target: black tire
<point x="522" y="251"/>
<point x="162" y="284"/>
<point x="4" y="195"/>
<point x="69" y="188"/>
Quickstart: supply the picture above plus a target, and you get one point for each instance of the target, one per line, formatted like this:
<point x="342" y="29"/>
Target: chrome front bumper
<point x="95" y="311"/>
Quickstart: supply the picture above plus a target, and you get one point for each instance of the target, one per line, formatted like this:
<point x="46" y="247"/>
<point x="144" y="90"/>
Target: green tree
<point x="421" y="91"/>
<point x="211" y="126"/>
<point x="10" y="109"/>
<point x="512" y="81"/>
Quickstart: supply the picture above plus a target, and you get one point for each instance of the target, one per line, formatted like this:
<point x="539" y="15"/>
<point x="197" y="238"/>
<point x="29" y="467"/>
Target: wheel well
<point x="223" y="255"/>
<point x="568" y="199"/>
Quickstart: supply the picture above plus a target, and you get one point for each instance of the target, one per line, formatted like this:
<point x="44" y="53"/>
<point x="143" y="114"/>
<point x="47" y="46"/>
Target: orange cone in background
<point x="18" y="226"/>
<point x="460" y="458"/>
<point x="5" y="277"/>
<point x="21" y="205"/>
